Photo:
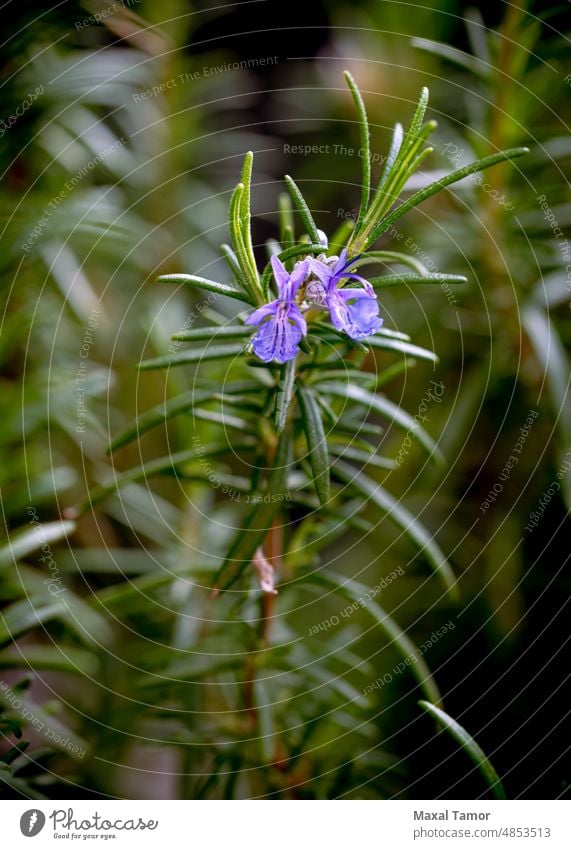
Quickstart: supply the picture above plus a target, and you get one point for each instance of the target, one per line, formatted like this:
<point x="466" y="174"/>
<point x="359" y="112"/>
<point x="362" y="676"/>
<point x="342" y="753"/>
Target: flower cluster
<point x="313" y="283"/>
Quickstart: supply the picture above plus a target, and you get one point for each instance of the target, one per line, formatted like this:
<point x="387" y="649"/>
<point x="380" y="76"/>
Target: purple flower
<point x="279" y="336"/>
<point x="355" y="311"/>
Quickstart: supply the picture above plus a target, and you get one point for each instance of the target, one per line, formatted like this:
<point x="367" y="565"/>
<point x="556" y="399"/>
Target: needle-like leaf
<point x="467" y="742"/>
<point x="316" y="441"/>
<point x="365" y="151"/>
<point x="402" y="517"/>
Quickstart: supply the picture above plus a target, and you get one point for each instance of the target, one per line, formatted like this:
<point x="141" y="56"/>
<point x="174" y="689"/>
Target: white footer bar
<point x="287" y="824"/>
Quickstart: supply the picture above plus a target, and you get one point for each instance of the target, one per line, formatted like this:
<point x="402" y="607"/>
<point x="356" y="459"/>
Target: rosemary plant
<point x="301" y="388"/>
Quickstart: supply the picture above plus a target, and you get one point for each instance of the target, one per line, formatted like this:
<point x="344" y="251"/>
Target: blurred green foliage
<point x="103" y="189"/>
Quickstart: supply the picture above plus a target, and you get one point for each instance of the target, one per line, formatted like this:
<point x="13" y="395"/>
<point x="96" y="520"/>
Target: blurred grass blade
<point x="355" y="592"/>
<point x="64" y="659"/>
<point x="554" y="364"/>
<point x="472" y="749"/>
<point x="402" y="517"/>
<point x="260" y="519"/>
<point x="452" y="54"/>
<point x="367" y="458"/>
<point x="160" y="466"/>
<point x="24" y="616"/>
<point x="25" y="542"/>
<point x="316" y="442"/>
<point x="159" y="414"/>
<point x="396" y="415"/>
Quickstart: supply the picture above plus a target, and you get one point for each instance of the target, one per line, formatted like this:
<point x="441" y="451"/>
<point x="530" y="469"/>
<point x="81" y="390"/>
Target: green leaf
<point x="403" y="518"/>
<point x="23" y="616"/>
<point x="162" y="465"/>
<point x="25" y="542"/>
<point x="367" y="458"/>
<point x="453" y="54"/>
<point x="394" y="150"/>
<point x="245" y="215"/>
<point x="237" y="230"/>
<point x="232" y="262"/>
<point x="53" y="730"/>
<point x="415" y="279"/>
<point x="340" y="236"/>
<point x="245" y="210"/>
<point x="303" y="210"/>
<point x="196" y="355"/>
<point x="415" y="127"/>
<point x="121" y="596"/>
<point x="361" y="595"/>
<point x="273" y="248"/>
<point x="224" y="419"/>
<point x="316" y="441"/>
<point x="478" y="36"/>
<point x="328" y="332"/>
<point x="553" y="362"/>
<point x="405" y="156"/>
<point x="230" y="331"/>
<point x="68" y="608"/>
<point x="405" y="348"/>
<point x="422" y="195"/>
<point x="365" y="151"/>
<point x="284" y="394"/>
<point x="322" y="375"/>
<point x="208" y="285"/>
<point x="381" y="405"/>
<point x="266" y="724"/>
<point x="286" y="222"/>
<point x="260" y="519"/>
<point x="14" y="753"/>
<point x="159" y="414"/>
<point x="55" y="658"/>
<point x="386" y="375"/>
<point x="467" y="742"/>
<point x="393" y="256"/>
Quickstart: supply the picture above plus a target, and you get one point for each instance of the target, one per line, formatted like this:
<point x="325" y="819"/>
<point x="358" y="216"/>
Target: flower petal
<point x="280" y="273"/>
<point x="366" y="285"/>
<point x="321" y="271"/>
<point x="355" y="313"/>
<point x="342" y="262"/>
<point x="278" y="339"/>
<point x="364" y="318"/>
<point x="297" y="318"/>
<point x="262" y="312"/>
<point x="352" y="294"/>
<point x="297" y="277"/>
